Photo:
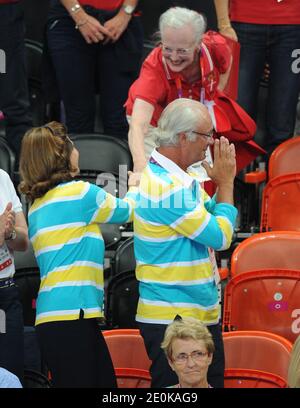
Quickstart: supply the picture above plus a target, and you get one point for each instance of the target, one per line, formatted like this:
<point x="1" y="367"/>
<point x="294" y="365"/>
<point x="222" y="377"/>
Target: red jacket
<point x="159" y="86"/>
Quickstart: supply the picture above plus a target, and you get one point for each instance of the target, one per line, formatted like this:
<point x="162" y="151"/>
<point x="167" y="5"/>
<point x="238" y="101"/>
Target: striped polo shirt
<point x="67" y="241"/>
<point x="175" y="222"/>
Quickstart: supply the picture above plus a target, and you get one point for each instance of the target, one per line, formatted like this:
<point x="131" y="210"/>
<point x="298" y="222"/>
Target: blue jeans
<point x="79" y="66"/>
<point x="14" y="100"/>
<point x="274" y="43"/>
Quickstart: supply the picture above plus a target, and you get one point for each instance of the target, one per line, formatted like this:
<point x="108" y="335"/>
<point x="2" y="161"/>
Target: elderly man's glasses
<point x="197" y="356"/>
<point x="179" y="51"/>
<point x="208" y="135"/>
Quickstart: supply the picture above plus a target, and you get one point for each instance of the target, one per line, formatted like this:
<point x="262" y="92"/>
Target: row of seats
<point x="262" y="293"/>
<point x="279" y="197"/>
<point x="254" y="359"/>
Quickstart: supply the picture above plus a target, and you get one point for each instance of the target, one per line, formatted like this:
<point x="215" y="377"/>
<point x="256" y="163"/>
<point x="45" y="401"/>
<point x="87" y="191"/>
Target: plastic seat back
<point x="285" y="158"/>
<point x="7" y="158"/>
<point x="257" y="350"/>
<point x="133" y="378"/>
<point x="264" y="300"/>
<point x="246" y="378"/>
<point x="122" y="300"/>
<point x="281" y="198"/>
<point x="124" y="259"/>
<point x="27" y="278"/>
<point x="127" y="348"/>
<point x="100" y="159"/>
<point x="268" y="250"/>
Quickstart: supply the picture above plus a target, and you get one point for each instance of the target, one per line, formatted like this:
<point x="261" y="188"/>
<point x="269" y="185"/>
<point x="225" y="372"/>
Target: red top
<point x="157" y="83"/>
<point x="265" y="11"/>
<point x="102" y="4"/>
<point x="159" y="86"/>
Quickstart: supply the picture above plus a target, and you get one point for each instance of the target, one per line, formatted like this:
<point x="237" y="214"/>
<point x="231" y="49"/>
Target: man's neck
<point x="172" y="153"/>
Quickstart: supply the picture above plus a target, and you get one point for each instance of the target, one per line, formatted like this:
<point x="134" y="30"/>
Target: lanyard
<point x="178" y="84"/>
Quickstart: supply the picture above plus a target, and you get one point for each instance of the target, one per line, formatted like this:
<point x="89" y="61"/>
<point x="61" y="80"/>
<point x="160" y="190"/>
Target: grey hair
<point x="181" y="115"/>
<point x="177" y="17"/>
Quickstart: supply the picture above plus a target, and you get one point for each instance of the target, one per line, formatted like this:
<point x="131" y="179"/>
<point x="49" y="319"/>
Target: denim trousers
<point x="161" y="373"/>
<point x="12" y="338"/>
<point x="275" y="44"/>
<point x="80" y="66"/>
<point x="14" y="100"/>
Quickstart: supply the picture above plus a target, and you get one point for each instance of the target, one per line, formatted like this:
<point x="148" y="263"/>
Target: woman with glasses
<point x="189" y="348"/>
<point x="188" y="64"/>
<point x="64" y="229"/>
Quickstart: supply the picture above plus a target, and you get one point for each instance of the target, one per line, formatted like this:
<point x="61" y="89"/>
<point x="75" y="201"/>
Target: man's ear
<point x="182" y="139"/>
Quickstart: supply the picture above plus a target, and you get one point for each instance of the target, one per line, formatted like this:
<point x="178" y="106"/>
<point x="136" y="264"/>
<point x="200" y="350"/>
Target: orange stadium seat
<point x="280" y="204"/>
<point x="265" y="286"/>
<point x="127" y="350"/>
<point x="285" y="158"/>
<point x="246" y="378"/>
<point x="256" y="350"/>
<point x="277" y="250"/>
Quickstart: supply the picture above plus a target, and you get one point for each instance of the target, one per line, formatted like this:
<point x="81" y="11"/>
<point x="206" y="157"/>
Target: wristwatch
<point x="12" y="236"/>
<point x="128" y="9"/>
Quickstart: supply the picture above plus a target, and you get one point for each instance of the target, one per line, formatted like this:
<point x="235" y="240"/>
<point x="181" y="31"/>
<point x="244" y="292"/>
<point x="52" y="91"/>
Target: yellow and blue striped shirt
<point x="175" y="222"/>
<point x="67" y="241"/>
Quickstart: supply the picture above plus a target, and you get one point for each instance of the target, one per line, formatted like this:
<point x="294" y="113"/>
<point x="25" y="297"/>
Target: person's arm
<point x="224" y="77"/>
<point x="16" y="232"/>
<point x="224" y="170"/>
<point x="89" y="27"/>
<point x="99" y="206"/>
<point x="138" y="127"/>
<point x="118" y="24"/>
<point x="224" y="24"/>
<point x="192" y="220"/>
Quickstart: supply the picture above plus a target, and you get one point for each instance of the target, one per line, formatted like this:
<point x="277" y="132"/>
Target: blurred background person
<point x="294" y="367"/>
<point x="14" y="100"/>
<point x="268" y="31"/>
<point x="13" y="237"/>
<point x="8" y="380"/>
<point x="95" y="42"/>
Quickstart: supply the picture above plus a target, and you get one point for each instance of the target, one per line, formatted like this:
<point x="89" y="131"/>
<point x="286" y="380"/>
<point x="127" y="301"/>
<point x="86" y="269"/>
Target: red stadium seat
<point x="285" y="158"/>
<point x="268" y="250"/>
<point x="127" y="350"/>
<point x="257" y="350"/>
<point x="246" y="378"/>
<point x="280" y="204"/>
<point x="133" y="378"/>
<point x="264" y="300"/>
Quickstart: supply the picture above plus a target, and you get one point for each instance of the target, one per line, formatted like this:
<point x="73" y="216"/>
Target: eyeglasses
<point x="208" y="135"/>
<point x="197" y="356"/>
<point x="180" y="51"/>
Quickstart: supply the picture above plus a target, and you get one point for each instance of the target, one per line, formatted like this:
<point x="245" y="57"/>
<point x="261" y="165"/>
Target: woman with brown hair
<point x="64" y="229"/>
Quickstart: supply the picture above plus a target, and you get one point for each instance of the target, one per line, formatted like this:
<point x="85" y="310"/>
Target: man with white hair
<point x="175" y="227"/>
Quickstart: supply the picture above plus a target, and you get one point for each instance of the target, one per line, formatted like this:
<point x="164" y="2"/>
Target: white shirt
<point x="7" y="194"/>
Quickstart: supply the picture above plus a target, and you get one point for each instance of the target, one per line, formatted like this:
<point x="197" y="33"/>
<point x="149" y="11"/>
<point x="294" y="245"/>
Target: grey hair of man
<point x="180" y="116"/>
<point x="177" y="17"/>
